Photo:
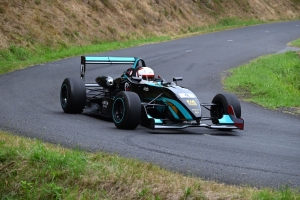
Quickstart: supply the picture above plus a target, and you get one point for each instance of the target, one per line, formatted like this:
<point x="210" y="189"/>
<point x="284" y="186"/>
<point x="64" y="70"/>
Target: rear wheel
<point x="222" y="102"/>
<point x="73" y="95"/>
<point x="126" y="110"/>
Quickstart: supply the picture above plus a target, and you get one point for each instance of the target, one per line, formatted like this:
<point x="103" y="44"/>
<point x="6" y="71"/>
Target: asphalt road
<point x="266" y="153"/>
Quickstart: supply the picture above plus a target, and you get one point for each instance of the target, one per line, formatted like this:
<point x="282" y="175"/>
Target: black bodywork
<point x="162" y="104"/>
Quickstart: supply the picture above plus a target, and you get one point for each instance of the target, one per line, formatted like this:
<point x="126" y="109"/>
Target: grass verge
<point x="30" y="169"/>
<point x="16" y="57"/>
<point x="272" y="81"/>
<point x="296" y="43"/>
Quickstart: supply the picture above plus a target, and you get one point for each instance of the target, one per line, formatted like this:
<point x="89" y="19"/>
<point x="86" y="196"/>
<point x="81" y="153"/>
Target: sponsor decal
<point x="196" y="111"/>
<point x="191" y="102"/>
<point x="104" y="104"/>
<point x="127" y="87"/>
<point x="146" y="89"/>
<point x="186" y="95"/>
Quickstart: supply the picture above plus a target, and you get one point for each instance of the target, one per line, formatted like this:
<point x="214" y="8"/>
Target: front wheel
<point x="222" y="101"/>
<point x="126" y="110"/>
<point x="72" y="95"/>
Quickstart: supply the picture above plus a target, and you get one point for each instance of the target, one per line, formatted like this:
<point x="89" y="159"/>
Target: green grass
<point x="235" y="22"/>
<point x="223" y="24"/>
<point x="272" y="81"/>
<point x="296" y="43"/>
<point x="16" y="57"/>
<point x="30" y="169"/>
<point x="269" y="194"/>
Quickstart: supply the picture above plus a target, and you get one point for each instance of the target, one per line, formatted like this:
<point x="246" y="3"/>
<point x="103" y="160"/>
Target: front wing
<point x="227" y="122"/>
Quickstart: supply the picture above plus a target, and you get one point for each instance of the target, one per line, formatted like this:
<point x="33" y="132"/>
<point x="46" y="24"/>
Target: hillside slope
<point x="57" y="23"/>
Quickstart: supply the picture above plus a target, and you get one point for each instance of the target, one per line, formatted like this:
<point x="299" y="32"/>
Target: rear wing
<point x="108" y="60"/>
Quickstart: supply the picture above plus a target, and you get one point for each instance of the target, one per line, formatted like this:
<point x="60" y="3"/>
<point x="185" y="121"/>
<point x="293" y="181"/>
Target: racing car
<point x="139" y="97"/>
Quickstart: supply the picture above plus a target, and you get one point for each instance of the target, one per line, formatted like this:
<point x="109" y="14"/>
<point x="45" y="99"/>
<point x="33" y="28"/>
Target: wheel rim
<point x="218" y="112"/>
<point x="118" y="110"/>
<point x="64" y="95"/>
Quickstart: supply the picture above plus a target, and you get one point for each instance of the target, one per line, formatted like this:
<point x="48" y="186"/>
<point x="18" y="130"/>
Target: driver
<point x="146" y="73"/>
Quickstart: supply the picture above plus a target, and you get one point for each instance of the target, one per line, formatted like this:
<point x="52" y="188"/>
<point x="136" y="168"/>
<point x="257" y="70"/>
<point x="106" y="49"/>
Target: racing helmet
<point x="146" y="73"/>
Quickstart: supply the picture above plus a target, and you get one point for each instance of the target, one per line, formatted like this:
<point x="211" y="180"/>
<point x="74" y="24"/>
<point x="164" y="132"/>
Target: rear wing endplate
<point x="108" y="60"/>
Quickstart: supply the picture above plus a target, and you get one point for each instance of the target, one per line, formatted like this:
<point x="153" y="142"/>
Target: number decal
<point x="192" y="102"/>
<point x="186" y="95"/>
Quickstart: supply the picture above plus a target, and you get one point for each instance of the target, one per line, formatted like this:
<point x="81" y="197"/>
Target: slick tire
<point x="126" y="110"/>
<point x="73" y="95"/>
<point x="222" y="102"/>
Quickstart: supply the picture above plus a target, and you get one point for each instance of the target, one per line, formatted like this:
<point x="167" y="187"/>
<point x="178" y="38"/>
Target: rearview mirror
<point x="177" y="79"/>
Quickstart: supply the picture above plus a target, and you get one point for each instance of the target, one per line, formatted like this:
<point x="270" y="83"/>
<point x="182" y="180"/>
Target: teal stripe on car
<point x="135" y="63"/>
<point x="185" y="113"/>
<point x="154" y="84"/>
<point x="226" y="120"/>
<point x="156" y="121"/>
<point x="111" y="59"/>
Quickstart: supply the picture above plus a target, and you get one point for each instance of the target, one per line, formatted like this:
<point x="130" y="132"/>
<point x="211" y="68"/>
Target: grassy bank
<point x="30" y="169"/>
<point x="296" y="43"/>
<point x="272" y="81"/>
<point x="60" y="23"/>
<point x="16" y="57"/>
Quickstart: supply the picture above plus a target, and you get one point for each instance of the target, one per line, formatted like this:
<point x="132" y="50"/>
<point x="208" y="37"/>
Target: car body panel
<point x="165" y="105"/>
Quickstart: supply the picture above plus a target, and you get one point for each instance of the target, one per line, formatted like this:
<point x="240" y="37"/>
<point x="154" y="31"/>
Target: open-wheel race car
<point x="138" y="97"/>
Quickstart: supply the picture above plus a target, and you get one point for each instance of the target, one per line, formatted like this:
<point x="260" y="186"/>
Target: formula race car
<point x="138" y="97"/>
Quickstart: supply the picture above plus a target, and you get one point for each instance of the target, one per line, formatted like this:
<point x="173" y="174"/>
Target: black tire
<point x="222" y="102"/>
<point x="72" y="95"/>
<point x="126" y="110"/>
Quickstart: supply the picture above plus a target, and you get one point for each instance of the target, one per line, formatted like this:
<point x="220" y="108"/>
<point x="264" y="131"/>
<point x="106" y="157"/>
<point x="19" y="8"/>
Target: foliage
<point x="18" y="57"/>
<point x="296" y="43"/>
<point x="34" y="170"/>
<point x="272" y="81"/>
<point x="30" y="169"/>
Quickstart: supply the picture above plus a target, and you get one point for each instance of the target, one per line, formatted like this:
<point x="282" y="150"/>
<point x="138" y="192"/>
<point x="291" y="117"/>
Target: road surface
<point x="266" y="153"/>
